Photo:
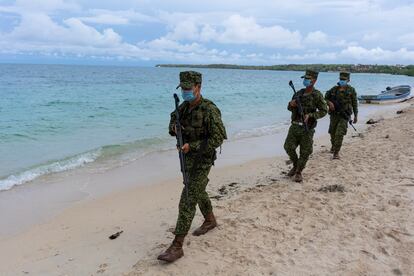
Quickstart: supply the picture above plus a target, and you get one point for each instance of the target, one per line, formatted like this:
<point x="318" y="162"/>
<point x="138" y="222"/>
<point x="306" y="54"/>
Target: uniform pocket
<point x="197" y="120"/>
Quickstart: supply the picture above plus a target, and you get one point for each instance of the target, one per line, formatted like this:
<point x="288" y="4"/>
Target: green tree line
<point x="353" y="68"/>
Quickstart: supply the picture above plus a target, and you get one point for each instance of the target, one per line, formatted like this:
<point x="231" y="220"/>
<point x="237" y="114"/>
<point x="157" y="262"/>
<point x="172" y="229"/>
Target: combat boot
<point x="292" y="172"/>
<point x="336" y="155"/>
<point x="175" y="251"/>
<point x="208" y="224"/>
<point x="298" y="176"/>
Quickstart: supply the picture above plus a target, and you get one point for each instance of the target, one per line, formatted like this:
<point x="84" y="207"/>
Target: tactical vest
<point x="309" y="103"/>
<point x="194" y="123"/>
<point x="342" y="100"/>
<point x="195" y="127"/>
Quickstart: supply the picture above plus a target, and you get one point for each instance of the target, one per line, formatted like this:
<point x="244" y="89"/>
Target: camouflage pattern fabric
<point x="189" y="78"/>
<point x="297" y="136"/>
<point x="337" y="129"/>
<point x="203" y="129"/>
<point x="314" y="105"/>
<point x="311" y="74"/>
<point x="345" y="103"/>
<point x="344" y="75"/>
<point x="197" y="195"/>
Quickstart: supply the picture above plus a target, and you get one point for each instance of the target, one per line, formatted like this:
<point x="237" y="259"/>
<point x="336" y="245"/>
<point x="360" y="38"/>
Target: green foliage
<point x="353" y="68"/>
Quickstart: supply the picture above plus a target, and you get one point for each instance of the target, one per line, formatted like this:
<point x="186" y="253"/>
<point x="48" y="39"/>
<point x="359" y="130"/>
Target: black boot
<point x="292" y="172"/>
<point x="298" y="176"/>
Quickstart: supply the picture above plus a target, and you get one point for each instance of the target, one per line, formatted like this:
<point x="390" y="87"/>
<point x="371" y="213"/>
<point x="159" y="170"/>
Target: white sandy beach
<point x="268" y="225"/>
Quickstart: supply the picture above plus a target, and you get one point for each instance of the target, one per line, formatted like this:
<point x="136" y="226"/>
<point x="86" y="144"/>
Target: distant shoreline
<point x="407" y="70"/>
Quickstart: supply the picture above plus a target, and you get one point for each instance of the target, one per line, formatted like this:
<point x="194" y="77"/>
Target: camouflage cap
<point x="188" y="79"/>
<point x="310" y="74"/>
<point x="344" y="75"/>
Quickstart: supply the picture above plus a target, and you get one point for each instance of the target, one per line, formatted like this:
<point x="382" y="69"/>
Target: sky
<point x="259" y="32"/>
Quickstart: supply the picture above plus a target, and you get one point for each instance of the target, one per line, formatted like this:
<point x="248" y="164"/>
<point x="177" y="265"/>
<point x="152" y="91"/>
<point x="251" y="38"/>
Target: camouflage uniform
<point x="345" y="103"/>
<point x="204" y="131"/>
<point x="314" y="105"/>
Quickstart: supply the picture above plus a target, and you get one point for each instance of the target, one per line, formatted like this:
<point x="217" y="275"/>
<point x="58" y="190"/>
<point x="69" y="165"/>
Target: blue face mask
<point x="307" y="82"/>
<point x="342" y="82"/>
<point x="188" y="95"/>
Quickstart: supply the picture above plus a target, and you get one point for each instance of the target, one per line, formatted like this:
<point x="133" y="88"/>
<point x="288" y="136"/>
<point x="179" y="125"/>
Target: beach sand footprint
<point x="102" y="268"/>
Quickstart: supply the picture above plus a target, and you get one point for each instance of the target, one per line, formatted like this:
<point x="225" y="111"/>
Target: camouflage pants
<point x="297" y="136"/>
<point x="337" y="129"/>
<point x="197" y="195"/>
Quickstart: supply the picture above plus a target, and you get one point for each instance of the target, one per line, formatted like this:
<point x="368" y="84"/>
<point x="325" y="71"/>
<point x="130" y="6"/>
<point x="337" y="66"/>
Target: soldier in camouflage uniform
<point x="203" y="131"/>
<point x="342" y="102"/>
<point x="314" y="107"/>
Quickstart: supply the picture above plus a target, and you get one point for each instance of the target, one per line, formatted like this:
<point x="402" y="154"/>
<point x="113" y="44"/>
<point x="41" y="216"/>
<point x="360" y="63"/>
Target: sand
<point x="352" y="216"/>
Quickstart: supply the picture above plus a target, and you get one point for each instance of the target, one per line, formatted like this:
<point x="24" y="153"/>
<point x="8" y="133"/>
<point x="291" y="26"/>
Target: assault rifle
<point x="296" y="97"/>
<point x="180" y="143"/>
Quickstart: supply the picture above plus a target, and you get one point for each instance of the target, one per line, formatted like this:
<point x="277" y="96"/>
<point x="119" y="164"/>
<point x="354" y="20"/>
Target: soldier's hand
<point x="293" y="103"/>
<point x="355" y="119"/>
<point x="306" y="118"/>
<point x="331" y="106"/>
<point x="175" y="129"/>
<point x="186" y="148"/>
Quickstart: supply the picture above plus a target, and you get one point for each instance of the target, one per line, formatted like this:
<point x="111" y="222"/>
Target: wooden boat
<point x="394" y="94"/>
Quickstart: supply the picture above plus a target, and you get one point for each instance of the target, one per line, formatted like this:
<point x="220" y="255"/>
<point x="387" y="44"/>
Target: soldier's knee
<point x="340" y="133"/>
<point x="306" y="151"/>
<point x="187" y="204"/>
<point x="289" y="147"/>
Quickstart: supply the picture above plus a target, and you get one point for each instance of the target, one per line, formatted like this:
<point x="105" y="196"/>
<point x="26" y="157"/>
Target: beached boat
<point x="394" y="94"/>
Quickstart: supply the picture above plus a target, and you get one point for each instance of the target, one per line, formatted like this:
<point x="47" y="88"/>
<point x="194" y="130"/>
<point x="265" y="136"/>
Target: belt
<point x="297" y="123"/>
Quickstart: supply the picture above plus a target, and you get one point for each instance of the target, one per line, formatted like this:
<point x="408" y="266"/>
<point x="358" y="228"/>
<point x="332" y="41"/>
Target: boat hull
<point x="391" y="95"/>
<point x="384" y="101"/>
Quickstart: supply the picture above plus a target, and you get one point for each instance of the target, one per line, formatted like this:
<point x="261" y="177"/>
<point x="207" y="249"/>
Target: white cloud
<point x="407" y="39"/>
<point x="230" y="31"/>
<point x="317" y="38"/>
<point x="38" y="28"/>
<point x="124" y="17"/>
<point x="45" y="5"/>
<point x="167" y="44"/>
<point x="371" y="36"/>
<point x="378" y="54"/>
<point x="245" y="30"/>
<point x="106" y="19"/>
<point x="236" y="30"/>
<point x="184" y="30"/>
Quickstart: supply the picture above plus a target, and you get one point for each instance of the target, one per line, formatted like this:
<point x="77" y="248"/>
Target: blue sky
<point x="143" y="32"/>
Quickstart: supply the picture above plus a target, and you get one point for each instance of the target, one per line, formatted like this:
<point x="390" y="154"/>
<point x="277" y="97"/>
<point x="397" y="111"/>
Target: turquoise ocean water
<point x="55" y="118"/>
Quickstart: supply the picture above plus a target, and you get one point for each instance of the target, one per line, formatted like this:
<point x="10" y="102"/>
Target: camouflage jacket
<point x="202" y="126"/>
<point x="313" y="104"/>
<point x="344" y="101"/>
